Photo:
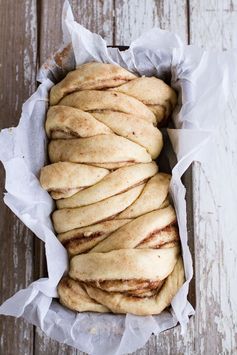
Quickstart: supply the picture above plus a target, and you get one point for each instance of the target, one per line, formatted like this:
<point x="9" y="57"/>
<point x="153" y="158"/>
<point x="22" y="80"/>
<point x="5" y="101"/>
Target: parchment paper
<point x="203" y="82"/>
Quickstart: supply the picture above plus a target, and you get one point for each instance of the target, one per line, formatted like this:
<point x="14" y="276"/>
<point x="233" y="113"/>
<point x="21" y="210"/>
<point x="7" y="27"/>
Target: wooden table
<point x="30" y="31"/>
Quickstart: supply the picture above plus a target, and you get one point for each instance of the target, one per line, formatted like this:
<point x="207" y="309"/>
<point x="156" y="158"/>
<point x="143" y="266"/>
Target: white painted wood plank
<point x="216" y="229"/>
<point x="134" y="17"/>
<point x="214" y="24"/>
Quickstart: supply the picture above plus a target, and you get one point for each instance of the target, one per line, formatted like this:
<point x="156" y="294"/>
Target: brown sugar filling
<point x="169" y="228"/>
<point x="68" y="133"/>
<point x="80" y="239"/>
<point x="134" y="284"/>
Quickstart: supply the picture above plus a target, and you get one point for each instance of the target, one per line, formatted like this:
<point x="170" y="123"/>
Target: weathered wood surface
<point x="209" y="24"/>
<point x="214" y="24"/>
<point x="134" y="17"/>
<point x="18" y="66"/>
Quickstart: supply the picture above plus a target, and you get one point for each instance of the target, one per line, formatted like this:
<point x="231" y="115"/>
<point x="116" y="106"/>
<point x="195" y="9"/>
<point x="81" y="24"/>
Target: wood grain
<point x="45" y="345"/>
<point x="134" y="17"/>
<point x="18" y="65"/>
<point x="214" y="24"/>
<point x="95" y="15"/>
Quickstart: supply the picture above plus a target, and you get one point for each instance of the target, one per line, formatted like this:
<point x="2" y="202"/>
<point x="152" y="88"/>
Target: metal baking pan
<point x="166" y="161"/>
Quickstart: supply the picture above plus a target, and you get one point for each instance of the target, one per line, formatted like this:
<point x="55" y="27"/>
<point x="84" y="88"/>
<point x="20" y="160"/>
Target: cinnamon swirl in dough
<point x="113" y="214"/>
<point x="79" y="240"/>
<point x="64" y="179"/>
<point x="119" y="302"/>
<point x="134" y="128"/>
<point x="90" y="76"/>
<point x="70" y="218"/>
<point x="157" y="95"/>
<point x="127" y="264"/>
<point x="97" y="101"/>
<point x="152" y="197"/>
<point x="75" y="297"/>
<point x="101" y="150"/>
<point x="116" y="182"/>
<point x="152" y="228"/>
<point x="68" y="122"/>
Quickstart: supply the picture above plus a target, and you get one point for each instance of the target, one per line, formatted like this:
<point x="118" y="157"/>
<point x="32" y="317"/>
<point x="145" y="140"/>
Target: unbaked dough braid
<point x="113" y="210"/>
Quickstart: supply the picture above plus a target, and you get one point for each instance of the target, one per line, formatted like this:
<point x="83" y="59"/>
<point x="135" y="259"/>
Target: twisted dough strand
<point x="113" y="215"/>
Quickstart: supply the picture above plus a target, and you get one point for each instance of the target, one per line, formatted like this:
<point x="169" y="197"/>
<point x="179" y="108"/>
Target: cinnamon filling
<point x="129" y="285"/>
<point x="138" y="288"/>
<point x="109" y="81"/>
<point x="65" y="190"/>
<point x="145" y="293"/>
<point x="80" y="239"/>
<point x="61" y="133"/>
<point x="98" y="84"/>
<point x="111" y="162"/>
<point x="170" y="228"/>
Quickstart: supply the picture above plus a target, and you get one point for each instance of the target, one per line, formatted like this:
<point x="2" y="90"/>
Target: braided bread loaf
<point x="113" y="211"/>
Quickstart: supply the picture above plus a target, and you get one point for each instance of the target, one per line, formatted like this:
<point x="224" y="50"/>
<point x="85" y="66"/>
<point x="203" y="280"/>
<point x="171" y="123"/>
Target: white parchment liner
<point x="203" y="82"/>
